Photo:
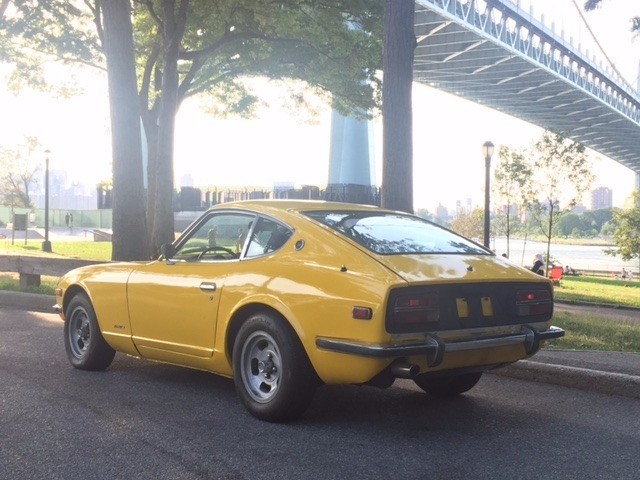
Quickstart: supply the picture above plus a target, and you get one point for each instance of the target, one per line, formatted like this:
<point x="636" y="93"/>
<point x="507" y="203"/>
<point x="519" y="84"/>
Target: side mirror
<point x="168" y="251"/>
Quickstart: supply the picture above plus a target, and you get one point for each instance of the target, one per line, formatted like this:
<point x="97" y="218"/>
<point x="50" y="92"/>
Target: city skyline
<point x="66" y="194"/>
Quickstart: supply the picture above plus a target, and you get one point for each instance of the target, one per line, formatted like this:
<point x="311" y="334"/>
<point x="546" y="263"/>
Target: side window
<point x="267" y="237"/>
<point x="220" y="237"/>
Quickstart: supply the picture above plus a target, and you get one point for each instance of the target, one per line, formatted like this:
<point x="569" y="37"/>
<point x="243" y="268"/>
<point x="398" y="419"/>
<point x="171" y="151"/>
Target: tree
<point x="31" y="35"/>
<point x="397" y="124"/>
<point x="470" y="225"/>
<point x="34" y="32"/>
<point x="426" y="214"/>
<point x="188" y="48"/>
<point x="627" y="232"/>
<point x="569" y="224"/>
<point x="130" y="241"/>
<point x="593" y="4"/>
<point x="18" y="172"/>
<point x="511" y="182"/>
<point x="561" y="175"/>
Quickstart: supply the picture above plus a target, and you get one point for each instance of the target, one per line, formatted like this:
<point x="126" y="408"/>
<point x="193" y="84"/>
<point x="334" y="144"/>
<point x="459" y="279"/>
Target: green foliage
<point x="595" y="332"/>
<point x="424" y="213"/>
<point x="333" y="46"/>
<point x="585" y="225"/>
<point x="11" y="283"/>
<point x="627" y="232"/>
<point x="18" y="167"/>
<point x="34" y="32"/>
<point x="100" y="251"/>
<point x="470" y="225"/>
<point x="601" y="291"/>
<point x="512" y="184"/>
<point x="562" y="173"/>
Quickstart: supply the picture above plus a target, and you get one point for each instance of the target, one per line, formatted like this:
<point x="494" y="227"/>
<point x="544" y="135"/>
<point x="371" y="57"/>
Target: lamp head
<point x="487" y="150"/>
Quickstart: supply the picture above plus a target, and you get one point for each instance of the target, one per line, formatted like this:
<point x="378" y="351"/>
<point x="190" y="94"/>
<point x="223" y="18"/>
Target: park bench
<point x="31" y="268"/>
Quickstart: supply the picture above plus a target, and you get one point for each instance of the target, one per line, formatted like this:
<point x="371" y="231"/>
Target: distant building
<point x="579" y="209"/>
<point x="186" y="180"/>
<point x="442" y="213"/>
<point x="601" y="198"/>
<point x="63" y="196"/>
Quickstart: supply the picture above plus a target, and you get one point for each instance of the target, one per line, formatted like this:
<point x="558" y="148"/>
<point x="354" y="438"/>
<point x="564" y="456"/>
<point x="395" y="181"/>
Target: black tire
<point x="448" y="385"/>
<point x="86" y="347"/>
<point x="272" y="373"/>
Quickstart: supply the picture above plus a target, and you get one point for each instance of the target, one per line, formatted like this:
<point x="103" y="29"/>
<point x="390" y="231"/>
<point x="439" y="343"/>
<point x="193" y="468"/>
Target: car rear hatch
<point x="456" y="292"/>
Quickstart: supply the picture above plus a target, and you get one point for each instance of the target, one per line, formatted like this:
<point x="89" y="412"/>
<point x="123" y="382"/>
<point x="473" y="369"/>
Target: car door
<point x="173" y="303"/>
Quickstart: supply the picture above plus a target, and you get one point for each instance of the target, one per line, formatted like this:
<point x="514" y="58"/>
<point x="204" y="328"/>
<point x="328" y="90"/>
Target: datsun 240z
<point x="284" y="296"/>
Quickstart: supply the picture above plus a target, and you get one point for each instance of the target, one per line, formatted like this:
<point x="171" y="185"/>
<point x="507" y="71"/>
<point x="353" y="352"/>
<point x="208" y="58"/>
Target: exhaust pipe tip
<point x="402" y="369"/>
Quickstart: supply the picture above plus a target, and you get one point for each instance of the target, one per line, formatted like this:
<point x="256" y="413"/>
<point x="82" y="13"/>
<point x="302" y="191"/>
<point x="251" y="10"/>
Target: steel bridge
<point x="494" y="53"/>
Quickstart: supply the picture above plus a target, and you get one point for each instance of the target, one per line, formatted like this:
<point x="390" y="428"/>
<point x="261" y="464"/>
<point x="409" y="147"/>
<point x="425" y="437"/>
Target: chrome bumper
<point x="434" y="348"/>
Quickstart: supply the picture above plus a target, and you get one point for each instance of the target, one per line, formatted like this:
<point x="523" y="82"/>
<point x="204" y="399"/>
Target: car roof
<point x="293" y="206"/>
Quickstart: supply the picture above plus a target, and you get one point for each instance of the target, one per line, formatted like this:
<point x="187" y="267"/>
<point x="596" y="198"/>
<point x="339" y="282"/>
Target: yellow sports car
<point x="286" y="295"/>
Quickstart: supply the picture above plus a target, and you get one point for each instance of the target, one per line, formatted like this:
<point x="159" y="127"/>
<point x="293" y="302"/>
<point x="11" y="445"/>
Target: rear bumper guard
<point x="434" y="348"/>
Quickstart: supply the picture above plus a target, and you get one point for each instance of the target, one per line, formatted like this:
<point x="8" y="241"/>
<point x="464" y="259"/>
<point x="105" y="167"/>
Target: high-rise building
<point x="601" y="197"/>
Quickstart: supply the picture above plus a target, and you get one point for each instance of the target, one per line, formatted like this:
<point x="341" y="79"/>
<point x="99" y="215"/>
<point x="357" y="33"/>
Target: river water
<point x="579" y="257"/>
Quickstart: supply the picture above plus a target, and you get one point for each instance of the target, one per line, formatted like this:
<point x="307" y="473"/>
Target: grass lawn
<point x="595" y="332"/>
<point x="88" y="250"/>
<point x="602" y="291"/>
<point x="10" y="281"/>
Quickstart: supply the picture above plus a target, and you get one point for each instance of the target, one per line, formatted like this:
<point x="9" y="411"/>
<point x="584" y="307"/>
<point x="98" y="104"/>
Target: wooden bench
<point x="31" y="268"/>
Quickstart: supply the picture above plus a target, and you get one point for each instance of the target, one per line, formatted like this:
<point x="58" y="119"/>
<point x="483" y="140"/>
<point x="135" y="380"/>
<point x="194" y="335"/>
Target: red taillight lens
<point x="416" y="309"/>
<point x="533" y="302"/>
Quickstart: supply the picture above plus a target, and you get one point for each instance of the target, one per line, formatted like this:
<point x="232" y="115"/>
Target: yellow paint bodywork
<point x="159" y="311"/>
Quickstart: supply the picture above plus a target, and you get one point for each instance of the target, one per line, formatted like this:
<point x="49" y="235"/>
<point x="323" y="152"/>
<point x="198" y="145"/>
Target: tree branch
<point x="146" y="75"/>
<point x="153" y="13"/>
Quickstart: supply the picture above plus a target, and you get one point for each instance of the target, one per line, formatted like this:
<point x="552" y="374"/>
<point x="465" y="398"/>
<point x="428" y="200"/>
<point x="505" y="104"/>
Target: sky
<point x="281" y="147"/>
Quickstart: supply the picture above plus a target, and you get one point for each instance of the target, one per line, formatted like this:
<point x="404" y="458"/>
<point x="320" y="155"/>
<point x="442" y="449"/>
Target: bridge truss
<point x="493" y="53"/>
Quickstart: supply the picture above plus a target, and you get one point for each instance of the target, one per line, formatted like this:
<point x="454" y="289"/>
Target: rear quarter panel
<point x="315" y="289"/>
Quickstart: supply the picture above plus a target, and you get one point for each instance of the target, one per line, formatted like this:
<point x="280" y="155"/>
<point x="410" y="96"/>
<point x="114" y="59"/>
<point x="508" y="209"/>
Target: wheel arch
<point x="71" y="292"/>
<point x="243" y="313"/>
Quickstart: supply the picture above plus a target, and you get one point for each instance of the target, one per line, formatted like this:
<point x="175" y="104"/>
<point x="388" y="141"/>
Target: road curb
<point x="575" y="377"/>
<point x="28" y="301"/>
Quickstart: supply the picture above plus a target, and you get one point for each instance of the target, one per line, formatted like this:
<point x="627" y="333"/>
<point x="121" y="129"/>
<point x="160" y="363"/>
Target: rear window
<point x="388" y="233"/>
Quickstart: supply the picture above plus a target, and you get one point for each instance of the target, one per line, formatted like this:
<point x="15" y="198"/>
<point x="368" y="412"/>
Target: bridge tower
<point x="351" y="165"/>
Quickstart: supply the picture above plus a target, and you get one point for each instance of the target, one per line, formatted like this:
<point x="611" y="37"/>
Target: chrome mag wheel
<point x="261" y="366"/>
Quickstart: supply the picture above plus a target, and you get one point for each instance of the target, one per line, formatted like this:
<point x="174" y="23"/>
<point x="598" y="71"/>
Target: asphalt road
<point x="141" y="420"/>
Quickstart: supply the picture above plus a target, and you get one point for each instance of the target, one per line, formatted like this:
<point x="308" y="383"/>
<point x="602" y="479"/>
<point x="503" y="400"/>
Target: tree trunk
<point x="397" y="124"/>
<point x="129" y="231"/>
<point x="163" y="225"/>
<point x="549" y="235"/>
<point x="151" y="132"/>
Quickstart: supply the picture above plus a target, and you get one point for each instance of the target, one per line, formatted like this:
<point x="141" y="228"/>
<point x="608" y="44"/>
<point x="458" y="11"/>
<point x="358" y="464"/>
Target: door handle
<point x="208" y="287"/>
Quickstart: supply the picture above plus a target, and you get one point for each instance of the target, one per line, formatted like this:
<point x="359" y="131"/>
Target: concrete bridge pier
<point x="351" y="165"/>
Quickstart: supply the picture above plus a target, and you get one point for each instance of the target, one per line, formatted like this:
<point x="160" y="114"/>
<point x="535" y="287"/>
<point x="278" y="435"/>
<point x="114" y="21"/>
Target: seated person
<point x="538" y="265"/>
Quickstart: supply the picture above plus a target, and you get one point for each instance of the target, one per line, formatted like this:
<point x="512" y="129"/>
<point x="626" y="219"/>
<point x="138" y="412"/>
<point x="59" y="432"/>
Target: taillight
<point x="533" y="302"/>
<point x="416" y="309"/>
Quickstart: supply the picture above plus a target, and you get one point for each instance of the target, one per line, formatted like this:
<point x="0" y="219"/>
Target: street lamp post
<point x="487" y="153"/>
<point x="46" y="245"/>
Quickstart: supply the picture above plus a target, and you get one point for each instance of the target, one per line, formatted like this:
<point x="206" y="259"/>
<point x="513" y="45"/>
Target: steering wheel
<point x="217" y="249"/>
